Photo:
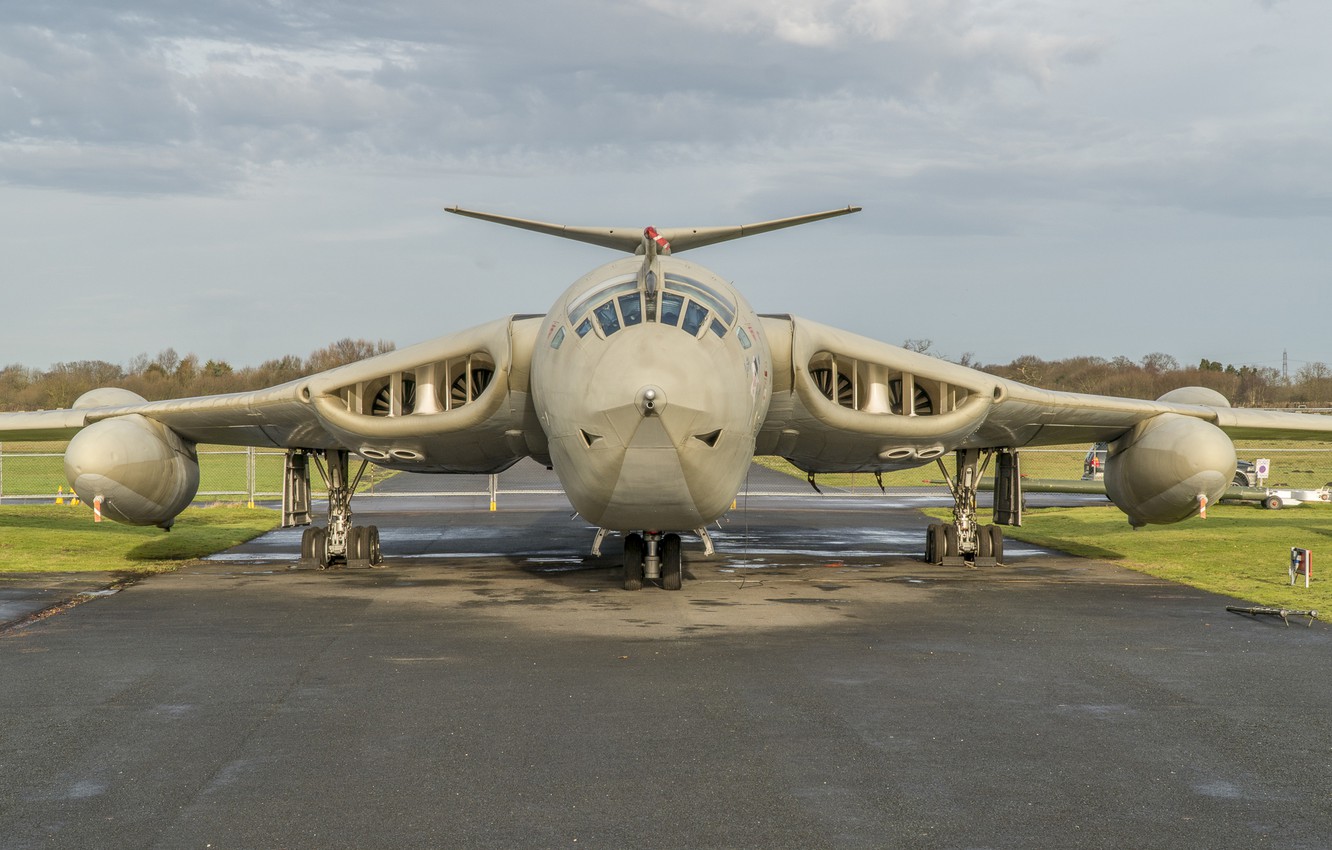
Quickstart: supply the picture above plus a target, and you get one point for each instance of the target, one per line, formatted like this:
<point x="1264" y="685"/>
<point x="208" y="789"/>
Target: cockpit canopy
<point x="681" y="302"/>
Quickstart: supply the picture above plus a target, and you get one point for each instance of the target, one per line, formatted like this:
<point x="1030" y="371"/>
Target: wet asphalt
<point x="813" y="685"/>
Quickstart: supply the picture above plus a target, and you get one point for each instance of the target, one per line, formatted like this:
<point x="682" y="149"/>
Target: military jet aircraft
<point x="649" y="387"/>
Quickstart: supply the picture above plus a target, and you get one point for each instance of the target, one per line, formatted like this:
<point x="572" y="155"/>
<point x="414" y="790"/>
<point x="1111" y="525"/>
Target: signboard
<point x="1301" y="564"/>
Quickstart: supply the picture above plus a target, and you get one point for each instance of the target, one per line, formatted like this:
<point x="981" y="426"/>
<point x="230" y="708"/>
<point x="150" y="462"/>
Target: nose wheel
<point x="633" y="562"/>
<point x="653" y="555"/>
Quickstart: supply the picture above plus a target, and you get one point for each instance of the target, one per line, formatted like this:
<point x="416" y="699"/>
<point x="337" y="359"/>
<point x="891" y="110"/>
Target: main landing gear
<point x="339" y="542"/>
<point x="964" y="541"/>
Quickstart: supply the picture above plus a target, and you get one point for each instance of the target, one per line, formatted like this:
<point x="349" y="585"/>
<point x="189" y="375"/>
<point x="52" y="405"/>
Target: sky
<point x="244" y="180"/>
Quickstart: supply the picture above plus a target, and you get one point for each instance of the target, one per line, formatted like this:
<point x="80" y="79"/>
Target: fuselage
<point x="651" y="379"/>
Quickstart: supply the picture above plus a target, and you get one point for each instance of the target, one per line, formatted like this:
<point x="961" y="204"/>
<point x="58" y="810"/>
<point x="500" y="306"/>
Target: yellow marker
<point x="60" y="496"/>
<point x="492" y="504"/>
<point x="73" y="500"/>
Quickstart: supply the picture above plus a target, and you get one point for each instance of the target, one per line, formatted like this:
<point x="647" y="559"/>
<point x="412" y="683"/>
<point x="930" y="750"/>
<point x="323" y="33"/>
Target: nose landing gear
<point x="654" y="556"/>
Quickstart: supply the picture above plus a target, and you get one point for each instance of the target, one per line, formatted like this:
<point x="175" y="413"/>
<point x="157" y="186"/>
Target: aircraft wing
<point x="459" y="403"/>
<point x="847" y="403"/>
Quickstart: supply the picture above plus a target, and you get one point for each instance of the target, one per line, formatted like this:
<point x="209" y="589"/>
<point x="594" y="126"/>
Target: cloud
<point x="253" y="86"/>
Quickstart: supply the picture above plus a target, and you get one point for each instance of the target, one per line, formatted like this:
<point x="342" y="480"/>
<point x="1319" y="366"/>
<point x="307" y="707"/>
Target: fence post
<point x="249" y="474"/>
<point x="2" y="472"/>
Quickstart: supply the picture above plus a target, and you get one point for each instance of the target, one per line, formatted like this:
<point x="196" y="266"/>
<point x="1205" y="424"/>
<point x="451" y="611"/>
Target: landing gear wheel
<point x="358" y="543"/>
<point x="372" y="545"/>
<point x="672" y="570"/>
<point x="1272" y="503"/>
<point x="633" y="562"/>
<point x="996" y="542"/>
<point x="983" y="547"/>
<point x="933" y="543"/>
<point x="308" y="544"/>
<point x="320" y="547"/>
<point x="950" y="540"/>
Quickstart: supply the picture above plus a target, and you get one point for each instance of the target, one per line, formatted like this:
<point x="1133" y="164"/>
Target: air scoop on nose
<point x="651" y="400"/>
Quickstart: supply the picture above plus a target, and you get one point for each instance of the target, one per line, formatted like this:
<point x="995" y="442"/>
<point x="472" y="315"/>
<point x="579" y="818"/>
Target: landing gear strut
<point x="340" y="542"/>
<point x="965" y="541"/>
<point x="653" y="555"/>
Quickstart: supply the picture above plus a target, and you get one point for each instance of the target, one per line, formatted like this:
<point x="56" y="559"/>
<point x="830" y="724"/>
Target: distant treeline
<point x="169" y="375"/>
<point x="1157" y="374"/>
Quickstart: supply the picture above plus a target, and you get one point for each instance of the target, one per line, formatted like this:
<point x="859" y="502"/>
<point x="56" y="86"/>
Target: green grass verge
<point x="1295" y="464"/>
<point x="49" y="538"/>
<point x="37" y="469"/>
<point x="1239" y="550"/>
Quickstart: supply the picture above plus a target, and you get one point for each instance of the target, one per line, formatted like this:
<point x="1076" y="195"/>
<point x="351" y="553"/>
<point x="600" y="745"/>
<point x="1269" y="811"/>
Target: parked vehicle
<point x="1246" y="474"/>
<point x="1093" y="465"/>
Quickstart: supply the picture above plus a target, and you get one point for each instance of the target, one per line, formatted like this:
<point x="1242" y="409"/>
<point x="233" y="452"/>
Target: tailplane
<point x="630" y="239"/>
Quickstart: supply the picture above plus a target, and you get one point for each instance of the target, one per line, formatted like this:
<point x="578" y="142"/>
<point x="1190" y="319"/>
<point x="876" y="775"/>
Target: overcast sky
<point x="244" y="179"/>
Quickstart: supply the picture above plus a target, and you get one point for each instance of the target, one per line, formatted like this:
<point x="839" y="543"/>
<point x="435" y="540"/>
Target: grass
<point x="1238" y="551"/>
<point x="50" y="538"/>
<point x="37" y="469"/>
<point x="1297" y="464"/>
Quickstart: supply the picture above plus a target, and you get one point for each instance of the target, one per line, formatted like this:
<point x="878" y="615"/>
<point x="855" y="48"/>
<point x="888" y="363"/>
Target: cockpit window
<point x="700" y="291"/>
<point x="743" y="337"/>
<point x="718" y="328"/>
<point x="584" y="328"/>
<point x="607" y="318"/>
<point x="695" y="315"/>
<point x="671" y="305"/>
<point x="613" y="286"/>
<point x="631" y="307"/>
<point x="557" y="340"/>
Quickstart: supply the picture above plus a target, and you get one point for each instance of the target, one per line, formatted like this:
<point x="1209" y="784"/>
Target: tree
<point x="346" y="350"/>
<point x="1158" y="362"/>
<point x="167" y="361"/>
<point x="217" y="368"/>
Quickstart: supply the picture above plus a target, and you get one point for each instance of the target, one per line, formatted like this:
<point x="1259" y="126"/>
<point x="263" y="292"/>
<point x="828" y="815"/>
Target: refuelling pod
<point x="143" y="471"/>
<point x="1157" y="472"/>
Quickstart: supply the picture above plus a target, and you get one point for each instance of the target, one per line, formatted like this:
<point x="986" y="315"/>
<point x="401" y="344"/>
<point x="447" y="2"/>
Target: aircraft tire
<point x="996" y="542"/>
<point x="983" y="540"/>
<point x="935" y="544"/>
<point x="672" y="568"/>
<point x="307" y="544"/>
<point x="320" y="538"/>
<point x="633" y="562"/>
<point x="1273" y="503"/>
<point x="950" y="540"/>
<point x="372" y="545"/>
<point x="356" y="543"/>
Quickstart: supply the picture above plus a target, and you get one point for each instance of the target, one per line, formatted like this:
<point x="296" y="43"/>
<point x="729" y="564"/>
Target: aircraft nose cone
<point x="651" y="400"/>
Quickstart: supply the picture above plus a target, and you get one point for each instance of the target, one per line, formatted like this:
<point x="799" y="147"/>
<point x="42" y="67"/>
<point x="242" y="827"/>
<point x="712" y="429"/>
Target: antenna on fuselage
<point x="632" y="240"/>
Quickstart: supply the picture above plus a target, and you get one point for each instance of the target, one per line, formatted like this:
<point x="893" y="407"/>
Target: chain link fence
<point x="34" y="472"/>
